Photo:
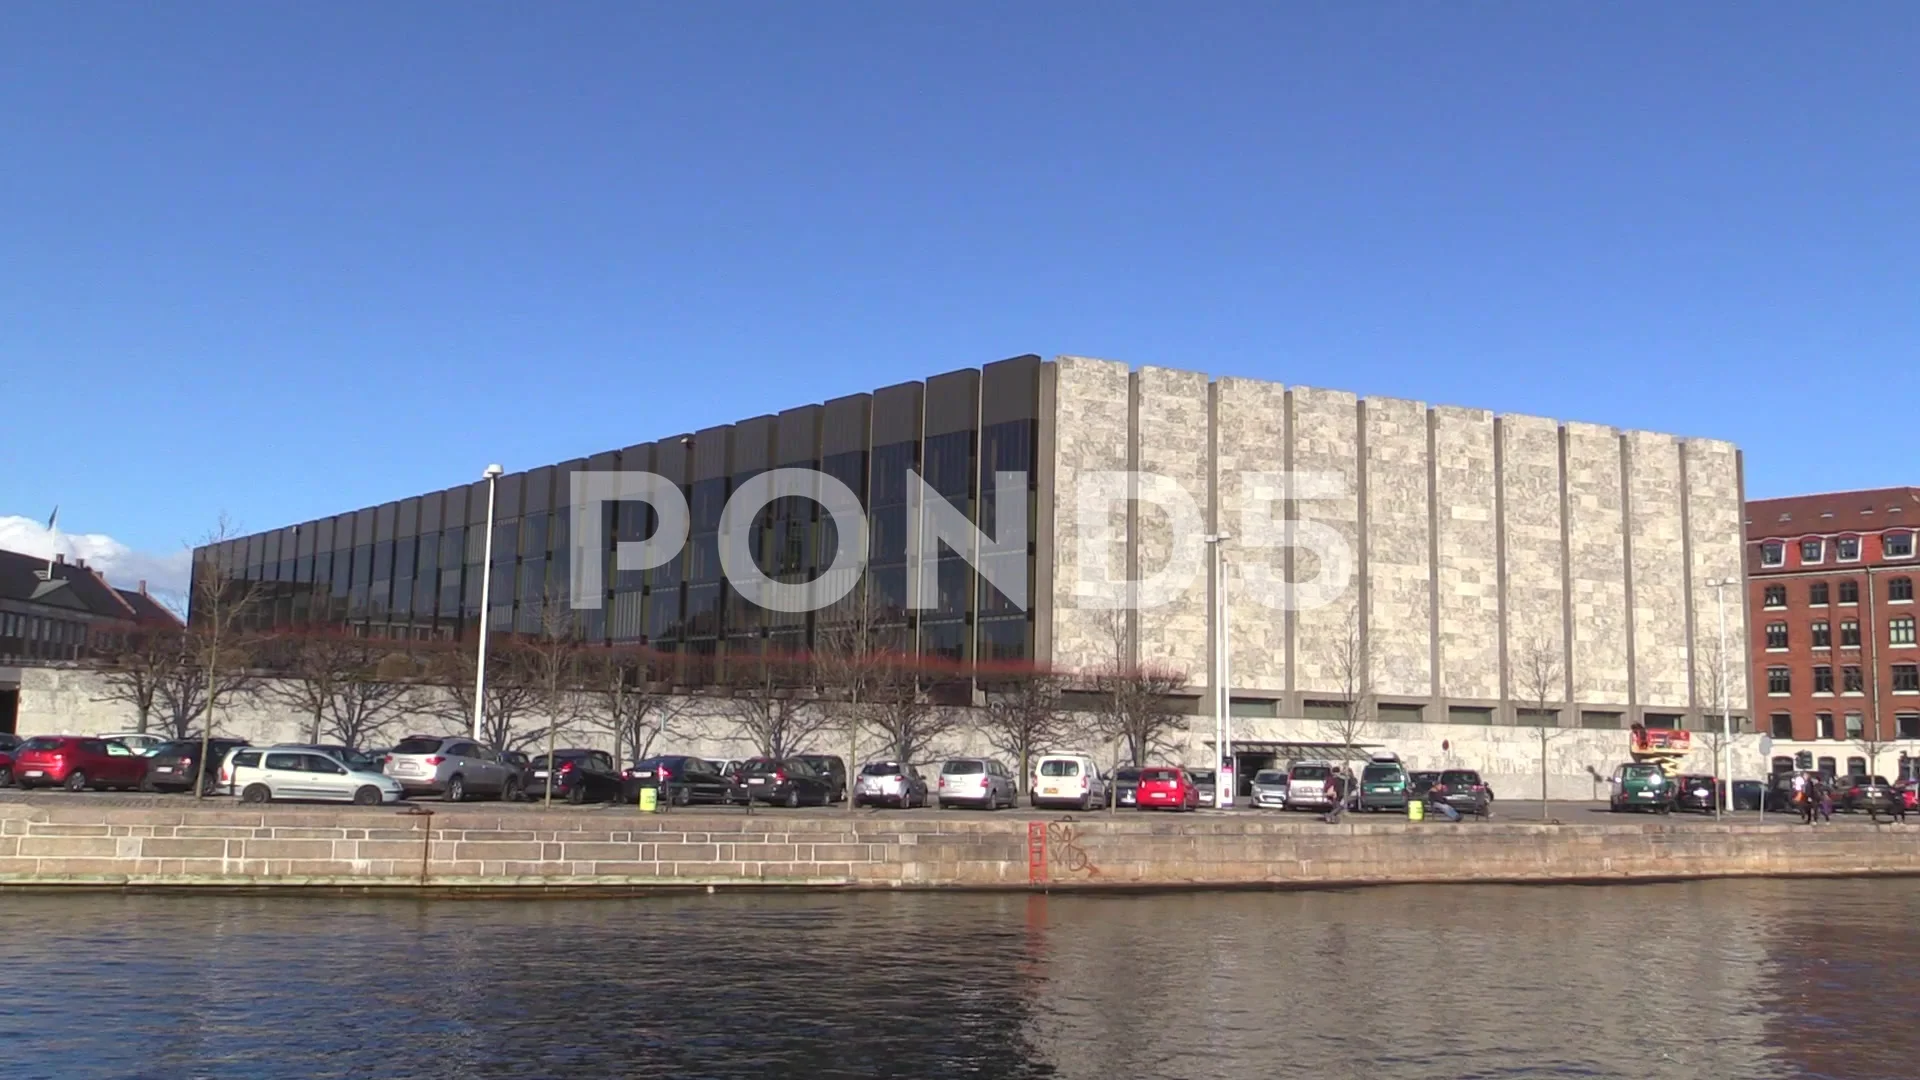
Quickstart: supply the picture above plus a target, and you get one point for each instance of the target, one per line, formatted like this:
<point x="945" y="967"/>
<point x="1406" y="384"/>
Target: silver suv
<point x="452" y="767"/>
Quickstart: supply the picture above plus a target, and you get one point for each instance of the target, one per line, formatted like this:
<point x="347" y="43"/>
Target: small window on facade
<point x="1817" y="594"/>
<point x="1849" y="592"/>
<point x="1900" y="589"/>
<point x="1851" y="681"/>
<point x="1847" y="549"/>
<point x="1856" y="766"/>
<point x="1779" y="680"/>
<point x="1909" y="725"/>
<point x="1855" y="725"/>
<point x="1823" y="724"/>
<point x="1827" y="768"/>
<point x="1900" y="630"/>
<point x="1906" y="678"/>
<point x="1777" y="635"/>
<point x="1813" y="551"/>
<point x="1822" y="679"/>
<point x="1822" y="634"/>
<point x="1849" y="634"/>
<point x="1897" y="545"/>
<point x="1773" y="553"/>
<point x="1782" y="725"/>
<point x="1775" y="596"/>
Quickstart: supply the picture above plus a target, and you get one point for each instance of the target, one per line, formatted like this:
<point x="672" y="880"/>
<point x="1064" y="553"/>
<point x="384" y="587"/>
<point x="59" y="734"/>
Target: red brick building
<point x="1831" y="614"/>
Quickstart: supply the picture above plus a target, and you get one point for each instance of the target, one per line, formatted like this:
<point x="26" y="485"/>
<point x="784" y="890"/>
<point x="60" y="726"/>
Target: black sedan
<point x="785" y="782"/>
<point x="1696" y="791"/>
<point x="1126" y="785"/>
<point x="1463" y="790"/>
<point x="1871" y="794"/>
<point x="176" y="766"/>
<point x="578" y="776"/>
<point x="684" y="779"/>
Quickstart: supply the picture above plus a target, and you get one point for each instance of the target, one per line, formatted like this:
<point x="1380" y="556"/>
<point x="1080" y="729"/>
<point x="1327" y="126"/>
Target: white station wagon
<point x="267" y="773"/>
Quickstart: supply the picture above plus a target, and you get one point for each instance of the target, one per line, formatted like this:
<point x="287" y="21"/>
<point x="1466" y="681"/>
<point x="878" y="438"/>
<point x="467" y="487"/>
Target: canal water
<point x="1705" y="980"/>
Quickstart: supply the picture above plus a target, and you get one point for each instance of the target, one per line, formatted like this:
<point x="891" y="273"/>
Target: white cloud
<point x="166" y="574"/>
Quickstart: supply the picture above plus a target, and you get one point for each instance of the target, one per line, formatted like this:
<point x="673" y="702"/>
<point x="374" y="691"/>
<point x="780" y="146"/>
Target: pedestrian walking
<point x="1802" y="798"/>
<point x="1825" y="792"/>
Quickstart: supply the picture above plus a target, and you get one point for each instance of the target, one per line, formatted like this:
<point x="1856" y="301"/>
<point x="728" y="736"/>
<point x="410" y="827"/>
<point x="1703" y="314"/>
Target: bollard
<point x="1416" y="810"/>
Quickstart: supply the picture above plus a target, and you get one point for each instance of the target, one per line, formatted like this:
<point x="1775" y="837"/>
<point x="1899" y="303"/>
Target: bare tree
<point x="766" y="702"/>
<point x="1347" y="661"/>
<point x="849" y="662"/>
<point x="1541" y="682"/>
<point x="217" y="639"/>
<point x="552" y="659"/>
<point x="137" y="665"/>
<point x="625" y="694"/>
<point x="374" y="694"/>
<point x="1138" y="705"/>
<point x="1711" y="685"/>
<point x="307" y="671"/>
<point x="510" y="697"/>
<point x="908" y="721"/>
<point x="1024" y="717"/>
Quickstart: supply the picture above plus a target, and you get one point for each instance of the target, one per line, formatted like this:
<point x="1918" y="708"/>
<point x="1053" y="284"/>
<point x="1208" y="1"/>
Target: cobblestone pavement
<point x="1571" y="813"/>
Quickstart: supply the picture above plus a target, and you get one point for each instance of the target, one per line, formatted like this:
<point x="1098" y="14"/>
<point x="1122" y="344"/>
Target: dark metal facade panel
<point x="290" y="542"/>
<point x="408" y="523"/>
<point x="563" y="481"/>
<point x="712" y="451"/>
<point x="385" y="517"/>
<point x="363" y="521"/>
<point x="670" y="457"/>
<point x="953" y="402"/>
<point x="430" y="505"/>
<point x="753" y="444"/>
<point x="896" y="413"/>
<point x="1010" y="390"/>
<point x="536" y="495"/>
<point x="507" y="496"/>
<point x="309" y="536"/>
<point x="799" y="437"/>
<point x="846" y="424"/>
<point x="323" y="535"/>
<point x="477" y="503"/>
<point x="453" y="506"/>
<point x="607" y="460"/>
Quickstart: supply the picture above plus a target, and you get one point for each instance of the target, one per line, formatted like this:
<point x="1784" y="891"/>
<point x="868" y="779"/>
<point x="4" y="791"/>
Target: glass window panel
<point x="533" y="535"/>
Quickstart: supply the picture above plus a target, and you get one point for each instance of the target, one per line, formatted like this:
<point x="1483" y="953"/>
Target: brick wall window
<point x="1817" y="594"/>
<point x="1849" y="633"/>
<point x="1849" y="592"/>
<point x="1851" y="681"/>
<point x="1775" y="596"/>
<point x="1813" y="551"/>
<point x="1822" y="679"/>
<point x="1779" y="680"/>
<point x="1900" y="630"/>
<point x="1777" y="635"/>
<point x="1897" y="545"/>
<point x="1847" y="549"/>
<point x="1782" y="725"/>
<point x="1773" y="553"/>
<point x="1900" y="589"/>
<point x="1822" y="635"/>
<point x="1906" y="678"/>
<point x="1855" y="725"/>
<point x="1823" y="725"/>
<point x="1909" y="725"/>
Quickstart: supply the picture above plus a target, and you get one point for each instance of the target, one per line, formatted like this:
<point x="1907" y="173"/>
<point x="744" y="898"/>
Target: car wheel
<point x="1086" y="803"/>
<point x="510" y="791"/>
<point x="792" y="801"/>
<point x="576" y="794"/>
<point x="681" y="797"/>
<point x="147" y="786"/>
<point x="6" y="776"/>
<point x="76" y="781"/>
<point x="368" y="795"/>
<point x="456" y="790"/>
<point x="256" y="793"/>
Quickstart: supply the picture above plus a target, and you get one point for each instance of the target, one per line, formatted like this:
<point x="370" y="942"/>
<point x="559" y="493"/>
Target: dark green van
<point x="1640" y="786"/>
<point x="1383" y="784"/>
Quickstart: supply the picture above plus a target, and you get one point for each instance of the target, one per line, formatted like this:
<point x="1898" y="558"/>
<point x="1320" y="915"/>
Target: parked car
<point x="77" y="762"/>
<point x="685" y="779"/>
<point x="1779" y="793"/>
<point x="1747" y="794"/>
<point x="1313" y="785"/>
<point x="1421" y="781"/>
<point x="1463" y="790"/>
<point x="1126" y="782"/>
<point x="9" y="741"/>
<point x="177" y="765"/>
<point x="1270" y="789"/>
<point x="576" y="775"/>
<point x="1696" y="791"/>
<point x="835" y="771"/>
<point x="1206" y="780"/>
<point x="1909" y="793"/>
<point x="514" y="759"/>
<point x="1637" y="785"/>
<point x="276" y="773"/>
<point x="1869" y="793"/>
<point x="890" y="783"/>
<point x="452" y="767"/>
<point x="1383" y="784"/>
<point x="6" y="762"/>
<point x="1165" y="787"/>
<point x="139" y="742"/>
<point x="1067" y="779"/>
<point x="789" y="782"/>
<point x="981" y="782"/>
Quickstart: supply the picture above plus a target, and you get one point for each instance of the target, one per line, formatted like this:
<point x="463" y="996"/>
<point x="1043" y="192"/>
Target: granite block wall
<point x="1466" y="548"/>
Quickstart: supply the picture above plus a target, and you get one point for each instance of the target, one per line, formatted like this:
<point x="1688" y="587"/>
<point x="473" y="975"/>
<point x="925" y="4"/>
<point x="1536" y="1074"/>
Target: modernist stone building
<point x="1474" y="545"/>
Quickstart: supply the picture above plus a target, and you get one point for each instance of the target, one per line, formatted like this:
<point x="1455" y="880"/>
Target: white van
<point x="1067" y="779"/>
<point x="265" y="773"/>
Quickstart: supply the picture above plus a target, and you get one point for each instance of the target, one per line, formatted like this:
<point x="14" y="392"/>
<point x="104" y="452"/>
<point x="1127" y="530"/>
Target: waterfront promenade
<point x="77" y="842"/>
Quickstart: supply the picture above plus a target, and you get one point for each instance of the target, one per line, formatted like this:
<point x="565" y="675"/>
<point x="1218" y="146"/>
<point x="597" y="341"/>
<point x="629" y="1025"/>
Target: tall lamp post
<point x="486" y="598"/>
<point x="1719" y="587"/>
<point x="1225" y="776"/>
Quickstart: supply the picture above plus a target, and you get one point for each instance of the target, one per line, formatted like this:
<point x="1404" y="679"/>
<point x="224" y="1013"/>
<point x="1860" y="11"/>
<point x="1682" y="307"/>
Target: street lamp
<point x="492" y="475"/>
<point x="1719" y="587"/>
<point x="1224" y="778"/>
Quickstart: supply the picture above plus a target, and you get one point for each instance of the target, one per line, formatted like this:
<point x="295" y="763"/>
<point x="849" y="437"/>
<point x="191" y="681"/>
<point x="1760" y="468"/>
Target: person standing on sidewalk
<point x="1825" y="792"/>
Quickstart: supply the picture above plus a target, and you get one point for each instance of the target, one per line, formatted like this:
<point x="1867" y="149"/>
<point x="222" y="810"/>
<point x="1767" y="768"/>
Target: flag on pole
<point x="53" y="541"/>
<point x="53" y="517"/>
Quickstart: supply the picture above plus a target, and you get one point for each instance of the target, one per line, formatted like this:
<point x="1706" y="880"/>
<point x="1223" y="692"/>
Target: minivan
<point x="1311" y="785"/>
<point x="1067" y="779"/>
<point x="981" y="782"/>
<point x="1383" y="784"/>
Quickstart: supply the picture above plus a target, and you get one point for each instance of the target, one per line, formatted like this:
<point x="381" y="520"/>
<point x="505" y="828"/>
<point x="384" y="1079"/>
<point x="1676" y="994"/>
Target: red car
<point x="1166" y="787"/>
<point x="77" y="762"/>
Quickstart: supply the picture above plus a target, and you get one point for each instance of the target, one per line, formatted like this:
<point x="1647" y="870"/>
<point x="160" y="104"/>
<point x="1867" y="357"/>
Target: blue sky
<point x="285" y="260"/>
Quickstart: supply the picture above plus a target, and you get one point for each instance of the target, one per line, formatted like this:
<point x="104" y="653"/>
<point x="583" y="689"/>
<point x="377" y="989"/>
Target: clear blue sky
<point x="283" y="260"/>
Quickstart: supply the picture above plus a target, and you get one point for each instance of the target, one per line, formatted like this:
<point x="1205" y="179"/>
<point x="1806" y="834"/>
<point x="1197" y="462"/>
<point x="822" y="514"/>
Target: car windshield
<point x="1269" y="776"/>
<point x="1642" y="772"/>
<point x="1311" y="772"/>
<point x="1059" y="767"/>
<point x="881" y="768"/>
<point x="1162" y="775"/>
<point x="561" y="756"/>
<point x="964" y="768"/>
<point x="418" y="746"/>
<point x="1380" y="772"/>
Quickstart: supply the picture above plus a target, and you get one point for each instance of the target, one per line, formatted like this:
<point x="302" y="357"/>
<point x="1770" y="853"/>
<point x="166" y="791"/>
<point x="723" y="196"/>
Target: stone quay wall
<point x="621" y="849"/>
